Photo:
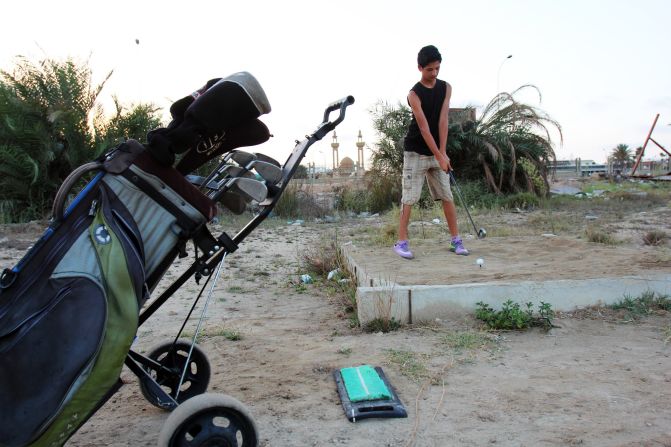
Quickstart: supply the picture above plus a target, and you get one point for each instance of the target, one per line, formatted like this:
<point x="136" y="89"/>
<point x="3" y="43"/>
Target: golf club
<point x="242" y="158"/>
<point x="225" y="168"/>
<point x="266" y="167"/>
<point x="271" y="173"/>
<point x="267" y="159"/>
<point x="482" y="233"/>
<point x="252" y="189"/>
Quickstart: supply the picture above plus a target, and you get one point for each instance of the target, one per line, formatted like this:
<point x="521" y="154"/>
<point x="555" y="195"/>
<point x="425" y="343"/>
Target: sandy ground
<point x="595" y="380"/>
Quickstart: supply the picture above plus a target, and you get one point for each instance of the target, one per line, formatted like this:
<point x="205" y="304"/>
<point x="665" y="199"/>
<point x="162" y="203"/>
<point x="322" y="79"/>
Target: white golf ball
<point x="480" y="261"/>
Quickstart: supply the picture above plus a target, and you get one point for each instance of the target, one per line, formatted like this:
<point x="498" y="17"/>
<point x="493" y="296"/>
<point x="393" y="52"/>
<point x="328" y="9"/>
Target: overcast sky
<point x="603" y="67"/>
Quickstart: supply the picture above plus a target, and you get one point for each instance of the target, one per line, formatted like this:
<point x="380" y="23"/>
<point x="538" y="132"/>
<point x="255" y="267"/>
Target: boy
<point x="425" y="150"/>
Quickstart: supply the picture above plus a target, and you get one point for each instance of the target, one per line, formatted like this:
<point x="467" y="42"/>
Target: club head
<point x="249" y="188"/>
<point x="223" y="175"/>
<point x="198" y="180"/>
<point x="267" y="159"/>
<point x="482" y="233"/>
<point x="268" y="171"/>
<point x="242" y="158"/>
<point x="231" y="171"/>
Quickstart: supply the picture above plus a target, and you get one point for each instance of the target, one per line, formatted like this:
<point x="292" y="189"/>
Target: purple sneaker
<point x="457" y="246"/>
<point x="401" y="248"/>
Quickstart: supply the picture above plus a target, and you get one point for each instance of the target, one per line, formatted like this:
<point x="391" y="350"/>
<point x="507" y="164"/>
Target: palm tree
<point x="507" y="131"/>
<point x="621" y="156"/>
<point x="51" y="123"/>
<point x="510" y="146"/>
<point x="621" y="153"/>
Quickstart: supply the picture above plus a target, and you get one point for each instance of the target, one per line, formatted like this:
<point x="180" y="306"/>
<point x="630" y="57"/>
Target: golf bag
<point x="69" y="310"/>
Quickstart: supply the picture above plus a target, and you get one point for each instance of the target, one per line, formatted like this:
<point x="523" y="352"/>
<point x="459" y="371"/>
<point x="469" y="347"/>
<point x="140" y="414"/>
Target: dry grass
<point x="655" y="238"/>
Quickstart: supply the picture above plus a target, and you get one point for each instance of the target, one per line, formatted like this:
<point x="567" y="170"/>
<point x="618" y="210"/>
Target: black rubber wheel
<point x="209" y="420"/>
<point x="172" y="360"/>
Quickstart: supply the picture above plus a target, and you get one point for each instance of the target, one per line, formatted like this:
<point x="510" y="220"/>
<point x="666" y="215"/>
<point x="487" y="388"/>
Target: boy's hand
<point x="444" y="163"/>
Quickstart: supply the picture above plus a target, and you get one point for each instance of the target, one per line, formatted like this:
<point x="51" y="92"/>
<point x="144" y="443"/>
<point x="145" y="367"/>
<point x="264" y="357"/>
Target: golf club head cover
<point x="249" y="133"/>
<point x="219" y="106"/>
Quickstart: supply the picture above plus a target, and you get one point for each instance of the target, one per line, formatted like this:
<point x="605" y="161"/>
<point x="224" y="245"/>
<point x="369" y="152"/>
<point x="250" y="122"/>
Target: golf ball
<point x="480" y="261"/>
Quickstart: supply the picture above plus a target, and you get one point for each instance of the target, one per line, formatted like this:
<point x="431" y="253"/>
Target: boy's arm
<point x="444" y="122"/>
<point x="423" y="124"/>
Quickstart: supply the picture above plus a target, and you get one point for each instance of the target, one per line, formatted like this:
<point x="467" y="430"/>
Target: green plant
<point x="535" y="181"/>
<point x="466" y="340"/>
<point x="345" y="351"/>
<point x="408" y="363"/>
<point x="599" y="236"/>
<point x="381" y="324"/>
<point x="297" y="201"/>
<point x="648" y="302"/>
<point x="51" y="124"/>
<point x="351" y="200"/>
<point x="522" y="200"/>
<point x="513" y="317"/>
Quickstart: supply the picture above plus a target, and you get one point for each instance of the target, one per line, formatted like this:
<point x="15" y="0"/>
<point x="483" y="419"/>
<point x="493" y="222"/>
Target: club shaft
<point x="461" y="198"/>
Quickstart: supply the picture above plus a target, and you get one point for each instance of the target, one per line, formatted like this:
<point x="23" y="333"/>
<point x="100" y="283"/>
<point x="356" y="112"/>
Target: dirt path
<point x="589" y="382"/>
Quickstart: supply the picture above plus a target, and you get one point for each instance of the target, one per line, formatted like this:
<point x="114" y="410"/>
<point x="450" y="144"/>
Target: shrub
<point x="295" y="202"/>
<point x="645" y="304"/>
<point x="523" y="200"/>
<point x="599" y="236"/>
<point x="655" y="237"/>
<point x="513" y="317"/>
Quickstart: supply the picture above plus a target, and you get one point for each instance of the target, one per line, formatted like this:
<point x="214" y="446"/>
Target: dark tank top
<point x="432" y="101"/>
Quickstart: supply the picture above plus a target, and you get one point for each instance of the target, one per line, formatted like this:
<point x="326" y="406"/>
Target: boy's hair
<point x="427" y="55"/>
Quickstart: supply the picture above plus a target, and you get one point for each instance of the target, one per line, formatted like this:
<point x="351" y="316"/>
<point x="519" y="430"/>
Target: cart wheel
<point x="172" y="361"/>
<point x="209" y="420"/>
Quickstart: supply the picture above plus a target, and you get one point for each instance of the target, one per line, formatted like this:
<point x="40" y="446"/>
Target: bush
<point x="351" y="200"/>
<point x="645" y="304"/>
<point x="513" y="317"/>
<point x="522" y="200"/>
<point x="655" y="237"/>
<point x="476" y="195"/>
<point x="295" y="202"/>
<point x="599" y="236"/>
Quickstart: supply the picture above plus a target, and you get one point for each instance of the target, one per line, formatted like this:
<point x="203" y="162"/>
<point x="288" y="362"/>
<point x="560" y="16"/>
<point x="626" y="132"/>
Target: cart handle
<point x="326" y="126"/>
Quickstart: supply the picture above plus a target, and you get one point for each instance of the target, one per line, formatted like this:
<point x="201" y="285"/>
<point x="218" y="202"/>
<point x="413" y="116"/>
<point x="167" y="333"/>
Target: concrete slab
<point x="567" y="273"/>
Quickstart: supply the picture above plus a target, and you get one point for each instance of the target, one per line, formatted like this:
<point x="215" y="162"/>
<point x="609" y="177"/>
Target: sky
<point x="602" y="67"/>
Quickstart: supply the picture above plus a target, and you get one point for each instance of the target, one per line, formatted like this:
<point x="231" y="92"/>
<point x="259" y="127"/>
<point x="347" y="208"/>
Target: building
<point x="577" y="167"/>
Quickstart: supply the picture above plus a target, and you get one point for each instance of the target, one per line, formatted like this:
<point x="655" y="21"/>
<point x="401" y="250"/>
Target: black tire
<point x="172" y="360"/>
<point x="209" y="420"/>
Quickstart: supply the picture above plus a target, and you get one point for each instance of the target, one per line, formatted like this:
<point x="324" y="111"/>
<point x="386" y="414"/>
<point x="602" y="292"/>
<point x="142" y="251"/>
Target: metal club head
<point x="252" y="189"/>
<point x="267" y="159"/>
<point x="482" y="233"/>
<point x="242" y="158"/>
<point x="268" y="171"/>
<point x="198" y="180"/>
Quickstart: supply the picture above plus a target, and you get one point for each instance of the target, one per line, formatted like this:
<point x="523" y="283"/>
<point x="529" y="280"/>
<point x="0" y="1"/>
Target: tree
<point x="621" y="156"/>
<point x="621" y="153"/>
<point x="507" y="132"/>
<point x="391" y="123"/>
<point x="510" y="146"/>
<point x="51" y="123"/>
